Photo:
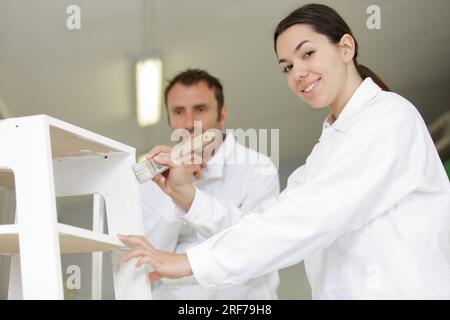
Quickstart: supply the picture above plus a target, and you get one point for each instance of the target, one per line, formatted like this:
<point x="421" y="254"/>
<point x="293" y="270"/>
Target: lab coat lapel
<point x="362" y="97"/>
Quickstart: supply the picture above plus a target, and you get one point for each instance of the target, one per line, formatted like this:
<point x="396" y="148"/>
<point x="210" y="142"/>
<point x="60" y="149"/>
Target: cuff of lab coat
<point x="201" y="267"/>
<point x="200" y="210"/>
<point x="180" y="282"/>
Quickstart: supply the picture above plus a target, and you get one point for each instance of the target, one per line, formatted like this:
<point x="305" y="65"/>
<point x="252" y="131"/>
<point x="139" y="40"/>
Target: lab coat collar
<point x="215" y="165"/>
<point x="365" y="93"/>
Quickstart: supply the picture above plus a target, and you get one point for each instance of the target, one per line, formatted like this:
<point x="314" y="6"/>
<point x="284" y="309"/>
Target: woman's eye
<point x="287" y="68"/>
<point x="309" y="53"/>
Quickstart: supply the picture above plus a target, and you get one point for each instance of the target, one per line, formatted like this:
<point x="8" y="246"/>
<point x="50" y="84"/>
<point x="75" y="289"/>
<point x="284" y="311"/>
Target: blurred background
<point x="87" y="77"/>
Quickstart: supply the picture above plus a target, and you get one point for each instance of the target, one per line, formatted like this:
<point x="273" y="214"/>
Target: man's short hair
<point x="190" y="77"/>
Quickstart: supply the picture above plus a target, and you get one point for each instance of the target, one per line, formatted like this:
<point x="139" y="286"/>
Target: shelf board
<point x="68" y="140"/>
<point x="68" y="144"/>
<point x="6" y="179"/>
<point x="9" y="240"/>
<point x="71" y="240"/>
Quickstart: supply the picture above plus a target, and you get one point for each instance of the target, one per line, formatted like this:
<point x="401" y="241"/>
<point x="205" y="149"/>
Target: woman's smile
<point x="308" y="89"/>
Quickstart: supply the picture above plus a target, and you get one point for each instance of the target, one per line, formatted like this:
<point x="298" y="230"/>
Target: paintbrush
<point x="148" y="168"/>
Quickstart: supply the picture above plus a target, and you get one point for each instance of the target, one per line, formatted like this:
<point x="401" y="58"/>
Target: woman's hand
<point x="165" y="264"/>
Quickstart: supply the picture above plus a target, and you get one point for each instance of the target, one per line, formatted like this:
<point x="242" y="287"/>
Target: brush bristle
<point x="144" y="171"/>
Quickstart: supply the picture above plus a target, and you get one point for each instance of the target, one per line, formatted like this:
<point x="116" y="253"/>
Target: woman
<point x="369" y="212"/>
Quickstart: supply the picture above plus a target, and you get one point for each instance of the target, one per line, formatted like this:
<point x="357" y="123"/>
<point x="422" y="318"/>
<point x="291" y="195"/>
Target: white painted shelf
<point x="6" y="179"/>
<point x="71" y="240"/>
<point x="41" y="159"/>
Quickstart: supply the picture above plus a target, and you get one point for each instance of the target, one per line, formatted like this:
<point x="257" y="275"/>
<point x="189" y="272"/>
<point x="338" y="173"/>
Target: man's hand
<point x="185" y="160"/>
<point x="165" y="264"/>
<point x="177" y="181"/>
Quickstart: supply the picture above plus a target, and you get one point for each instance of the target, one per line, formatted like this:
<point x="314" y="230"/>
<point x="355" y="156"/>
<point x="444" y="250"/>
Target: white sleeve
<point x="208" y="215"/>
<point x="161" y="221"/>
<point x="369" y="173"/>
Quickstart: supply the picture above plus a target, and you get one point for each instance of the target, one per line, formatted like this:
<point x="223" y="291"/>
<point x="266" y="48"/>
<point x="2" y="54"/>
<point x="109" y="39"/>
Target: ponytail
<point x="365" y="72"/>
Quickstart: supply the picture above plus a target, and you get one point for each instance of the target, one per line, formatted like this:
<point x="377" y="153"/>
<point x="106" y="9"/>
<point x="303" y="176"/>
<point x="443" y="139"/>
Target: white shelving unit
<point x="43" y="158"/>
<point x="71" y="240"/>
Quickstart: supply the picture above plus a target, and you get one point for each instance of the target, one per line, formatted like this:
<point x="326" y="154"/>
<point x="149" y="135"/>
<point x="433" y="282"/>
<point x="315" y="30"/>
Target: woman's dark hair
<point x="328" y="22"/>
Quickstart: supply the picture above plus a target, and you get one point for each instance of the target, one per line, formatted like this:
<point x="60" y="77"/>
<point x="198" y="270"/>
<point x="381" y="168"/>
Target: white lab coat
<point x="369" y="212"/>
<point x="234" y="176"/>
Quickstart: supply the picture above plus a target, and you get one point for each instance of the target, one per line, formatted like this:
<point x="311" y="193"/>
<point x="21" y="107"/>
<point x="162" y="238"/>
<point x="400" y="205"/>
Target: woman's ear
<point x="348" y="47"/>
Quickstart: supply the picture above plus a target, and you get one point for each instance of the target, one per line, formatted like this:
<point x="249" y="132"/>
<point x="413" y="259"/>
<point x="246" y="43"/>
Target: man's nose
<point x="189" y="122"/>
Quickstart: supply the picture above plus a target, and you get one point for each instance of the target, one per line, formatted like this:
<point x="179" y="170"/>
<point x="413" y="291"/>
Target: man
<point x="194" y="96"/>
